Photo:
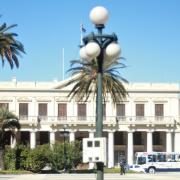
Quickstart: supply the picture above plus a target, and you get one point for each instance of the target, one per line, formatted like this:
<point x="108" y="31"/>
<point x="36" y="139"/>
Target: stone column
<point x="91" y="134"/>
<point x="149" y="141"/>
<point x="32" y="139"/>
<point x="176" y="142"/>
<point x="130" y="148"/>
<point x="168" y="141"/>
<point x="71" y="136"/>
<point x="52" y="137"/>
<point x="110" y="149"/>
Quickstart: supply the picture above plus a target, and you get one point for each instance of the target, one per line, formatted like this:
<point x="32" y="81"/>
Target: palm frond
<point x="10" y="48"/>
<point x="84" y="80"/>
<point x="3" y="26"/>
<point x="11" y="124"/>
<point x="6" y="28"/>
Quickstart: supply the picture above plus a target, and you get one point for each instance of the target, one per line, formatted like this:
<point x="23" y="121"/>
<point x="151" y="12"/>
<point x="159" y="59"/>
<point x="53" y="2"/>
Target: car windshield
<point x="141" y="160"/>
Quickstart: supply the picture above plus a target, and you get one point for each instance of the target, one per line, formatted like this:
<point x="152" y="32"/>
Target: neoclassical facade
<point x="148" y="120"/>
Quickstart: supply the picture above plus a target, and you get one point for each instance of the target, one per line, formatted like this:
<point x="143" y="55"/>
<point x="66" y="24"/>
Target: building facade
<point x="148" y="120"/>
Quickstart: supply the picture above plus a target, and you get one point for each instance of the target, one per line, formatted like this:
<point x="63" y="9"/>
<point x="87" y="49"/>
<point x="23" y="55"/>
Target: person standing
<point x="122" y="166"/>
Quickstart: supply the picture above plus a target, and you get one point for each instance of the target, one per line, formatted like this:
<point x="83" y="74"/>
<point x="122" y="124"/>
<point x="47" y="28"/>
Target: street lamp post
<point x="65" y="133"/>
<point x="101" y="47"/>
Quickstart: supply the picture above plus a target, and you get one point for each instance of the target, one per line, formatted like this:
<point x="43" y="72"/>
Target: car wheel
<point x="151" y="170"/>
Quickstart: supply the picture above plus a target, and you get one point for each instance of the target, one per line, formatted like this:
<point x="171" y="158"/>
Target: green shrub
<point x="10" y="159"/>
<point x="15" y="158"/>
<point x="73" y="155"/>
<point x="24" y="158"/>
<point x="57" y="158"/>
<point x="38" y="158"/>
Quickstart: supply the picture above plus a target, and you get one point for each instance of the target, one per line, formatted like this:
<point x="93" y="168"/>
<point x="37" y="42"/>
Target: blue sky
<point x="148" y="32"/>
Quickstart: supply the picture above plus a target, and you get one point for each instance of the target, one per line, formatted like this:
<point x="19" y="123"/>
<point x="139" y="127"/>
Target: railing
<point x="109" y="120"/>
<point x="147" y="120"/>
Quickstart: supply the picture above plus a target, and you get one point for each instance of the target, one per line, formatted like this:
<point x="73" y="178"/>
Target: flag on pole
<point x="82" y="28"/>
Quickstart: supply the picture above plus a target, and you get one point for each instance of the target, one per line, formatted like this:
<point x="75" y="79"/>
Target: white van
<point x="158" y="161"/>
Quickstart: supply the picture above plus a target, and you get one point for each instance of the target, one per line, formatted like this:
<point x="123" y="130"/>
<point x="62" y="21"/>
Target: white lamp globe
<point x="112" y="51"/>
<point x="107" y="58"/>
<point x="83" y="54"/>
<point x="92" y="49"/>
<point x="99" y="15"/>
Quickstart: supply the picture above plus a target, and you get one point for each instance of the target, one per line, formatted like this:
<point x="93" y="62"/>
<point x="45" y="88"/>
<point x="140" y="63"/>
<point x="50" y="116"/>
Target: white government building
<point x="148" y="120"/>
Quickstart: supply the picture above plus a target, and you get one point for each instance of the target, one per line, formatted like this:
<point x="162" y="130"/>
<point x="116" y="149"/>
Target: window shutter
<point x="4" y="105"/>
<point x="42" y="109"/>
<point x="120" y="109"/>
<point x="62" y="110"/>
<point x="139" y="109"/>
<point x="82" y="110"/>
<point x="159" y="110"/>
<point x="23" y="109"/>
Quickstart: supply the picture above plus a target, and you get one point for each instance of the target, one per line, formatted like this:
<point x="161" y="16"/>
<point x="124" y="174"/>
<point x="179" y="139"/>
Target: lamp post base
<point x="100" y="171"/>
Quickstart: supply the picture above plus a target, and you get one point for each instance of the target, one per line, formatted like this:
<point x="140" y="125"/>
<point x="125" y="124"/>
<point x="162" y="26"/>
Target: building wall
<point x="148" y="94"/>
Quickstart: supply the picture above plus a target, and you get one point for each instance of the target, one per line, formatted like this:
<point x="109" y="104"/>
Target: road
<point x="158" y="176"/>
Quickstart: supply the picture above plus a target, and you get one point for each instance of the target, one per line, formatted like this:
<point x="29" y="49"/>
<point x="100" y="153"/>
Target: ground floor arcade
<point x="119" y="143"/>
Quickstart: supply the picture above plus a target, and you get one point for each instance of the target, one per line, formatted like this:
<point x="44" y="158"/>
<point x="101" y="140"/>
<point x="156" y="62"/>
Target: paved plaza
<point x="158" y="176"/>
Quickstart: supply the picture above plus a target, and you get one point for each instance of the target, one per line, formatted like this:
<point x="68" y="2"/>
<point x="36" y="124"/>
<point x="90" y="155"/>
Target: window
<point x="141" y="160"/>
<point x="62" y="111"/>
<point x="159" y="110"/>
<point x="140" y="110"/>
<point x="120" y="109"/>
<point x="81" y="111"/>
<point x="151" y="158"/>
<point x="42" y="111"/>
<point x="120" y="112"/>
<point x="161" y="158"/>
<point x="4" y="105"/>
<point x="23" y="110"/>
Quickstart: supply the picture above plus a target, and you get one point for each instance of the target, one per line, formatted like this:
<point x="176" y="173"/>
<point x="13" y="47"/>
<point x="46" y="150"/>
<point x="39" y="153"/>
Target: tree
<point x="10" y="48"/>
<point x="8" y="122"/>
<point x="85" y="80"/>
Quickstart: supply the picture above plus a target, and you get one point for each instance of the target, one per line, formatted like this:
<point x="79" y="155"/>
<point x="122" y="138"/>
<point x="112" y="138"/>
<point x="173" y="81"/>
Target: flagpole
<point x="63" y="63"/>
<point x="81" y="35"/>
<point x="81" y="39"/>
<point x="82" y="30"/>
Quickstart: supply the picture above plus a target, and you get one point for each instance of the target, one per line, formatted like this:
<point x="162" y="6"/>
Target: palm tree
<point x="85" y="80"/>
<point x="8" y="122"/>
<point x="10" y="48"/>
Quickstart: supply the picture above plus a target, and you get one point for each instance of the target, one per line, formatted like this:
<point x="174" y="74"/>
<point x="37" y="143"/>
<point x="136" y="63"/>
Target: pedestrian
<point x="122" y="166"/>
